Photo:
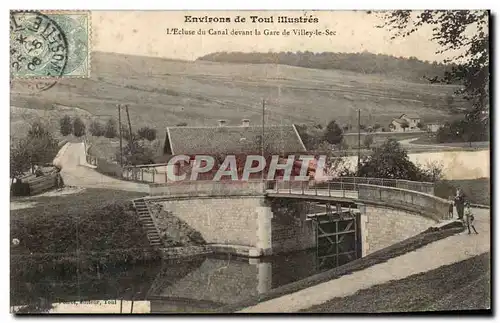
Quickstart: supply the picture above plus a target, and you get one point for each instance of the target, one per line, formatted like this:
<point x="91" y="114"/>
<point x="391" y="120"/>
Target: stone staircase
<point x="147" y="222"/>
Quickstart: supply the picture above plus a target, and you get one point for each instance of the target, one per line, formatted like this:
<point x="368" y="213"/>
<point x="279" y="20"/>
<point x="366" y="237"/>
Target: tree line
<point x="367" y="63"/>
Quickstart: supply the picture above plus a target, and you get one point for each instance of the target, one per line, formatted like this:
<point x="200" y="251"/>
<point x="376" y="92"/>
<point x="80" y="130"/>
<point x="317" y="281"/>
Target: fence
<point x="346" y="184"/>
<point x="151" y="173"/>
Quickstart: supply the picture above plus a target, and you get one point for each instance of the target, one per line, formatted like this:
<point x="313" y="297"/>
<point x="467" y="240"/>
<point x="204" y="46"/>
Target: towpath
<point x="443" y="252"/>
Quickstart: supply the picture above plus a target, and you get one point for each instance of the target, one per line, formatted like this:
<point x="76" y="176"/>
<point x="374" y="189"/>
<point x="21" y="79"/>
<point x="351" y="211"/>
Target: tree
<point x="96" y="129"/>
<point x="420" y="125"/>
<point x="463" y="35"/>
<point x="377" y="126"/>
<point x="147" y="133"/>
<point x="368" y="141"/>
<point x="134" y="153"/>
<point x="19" y="160"/>
<point x="78" y="127"/>
<point x="405" y="125"/>
<point x="110" y="129"/>
<point x="65" y="125"/>
<point x="390" y="160"/>
<point x="333" y="133"/>
<point x="37" y="148"/>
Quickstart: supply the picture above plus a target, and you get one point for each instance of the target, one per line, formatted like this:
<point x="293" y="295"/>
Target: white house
<point x="405" y="123"/>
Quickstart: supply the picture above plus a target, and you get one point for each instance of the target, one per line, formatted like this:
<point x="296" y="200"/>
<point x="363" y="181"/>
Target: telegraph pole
<point x="120" y="132"/>
<point x="359" y="138"/>
<point x="263" y="112"/>
<point x="262" y="135"/>
<point x="130" y="130"/>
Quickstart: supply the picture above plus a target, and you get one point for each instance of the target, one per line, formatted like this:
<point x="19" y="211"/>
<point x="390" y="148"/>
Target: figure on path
<point x="459" y="203"/>
<point x="450" y="208"/>
<point x="469" y="218"/>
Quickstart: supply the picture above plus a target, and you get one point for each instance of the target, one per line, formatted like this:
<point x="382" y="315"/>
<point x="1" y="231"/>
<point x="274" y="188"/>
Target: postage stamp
<point x="49" y="44"/>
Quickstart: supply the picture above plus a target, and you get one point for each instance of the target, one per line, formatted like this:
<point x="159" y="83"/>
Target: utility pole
<point x="359" y="139"/>
<point x="262" y="135"/>
<point x="131" y="144"/>
<point x="263" y="120"/>
<point x="120" y="132"/>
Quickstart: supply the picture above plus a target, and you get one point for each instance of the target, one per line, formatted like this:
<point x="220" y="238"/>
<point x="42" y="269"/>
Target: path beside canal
<point x="440" y="253"/>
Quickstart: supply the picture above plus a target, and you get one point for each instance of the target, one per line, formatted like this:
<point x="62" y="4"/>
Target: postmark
<point x="49" y="44"/>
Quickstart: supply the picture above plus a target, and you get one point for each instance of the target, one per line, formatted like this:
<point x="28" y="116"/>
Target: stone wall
<point x="417" y="202"/>
<point x="208" y="188"/>
<point x="295" y="236"/>
<point x="240" y="221"/>
<point x="382" y="226"/>
<point x="290" y="230"/>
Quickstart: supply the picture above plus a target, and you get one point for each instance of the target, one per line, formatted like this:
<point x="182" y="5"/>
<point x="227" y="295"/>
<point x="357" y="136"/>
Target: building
<point x="240" y="140"/>
<point x="405" y="122"/>
<point x="433" y="127"/>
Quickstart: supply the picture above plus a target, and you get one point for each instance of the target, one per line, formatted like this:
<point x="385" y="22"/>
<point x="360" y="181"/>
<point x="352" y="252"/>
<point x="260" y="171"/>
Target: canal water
<point x="176" y="286"/>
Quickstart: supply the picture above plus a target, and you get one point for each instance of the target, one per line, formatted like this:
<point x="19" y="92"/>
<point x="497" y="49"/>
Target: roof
<point x="400" y="121"/>
<point x="234" y="139"/>
<point x="409" y="116"/>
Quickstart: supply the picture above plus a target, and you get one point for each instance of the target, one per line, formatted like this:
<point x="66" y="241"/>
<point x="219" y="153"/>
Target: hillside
<point x="163" y="92"/>
<point x="410" y="69"/>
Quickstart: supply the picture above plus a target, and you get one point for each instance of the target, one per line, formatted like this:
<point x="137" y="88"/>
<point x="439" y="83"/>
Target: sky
<point x="146" y="33"/>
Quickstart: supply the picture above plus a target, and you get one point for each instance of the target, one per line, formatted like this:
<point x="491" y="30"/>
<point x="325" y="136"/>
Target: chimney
<point x="245" y="122"/>
<point x="222" y="123"/>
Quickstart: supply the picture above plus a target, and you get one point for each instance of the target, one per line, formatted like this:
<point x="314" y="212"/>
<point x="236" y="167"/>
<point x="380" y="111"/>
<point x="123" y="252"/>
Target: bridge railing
<point x="345" y="184"/>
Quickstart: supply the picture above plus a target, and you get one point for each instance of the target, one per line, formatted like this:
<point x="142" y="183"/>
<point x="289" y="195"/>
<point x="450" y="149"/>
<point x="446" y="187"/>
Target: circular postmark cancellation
<point x="38" y="51"/>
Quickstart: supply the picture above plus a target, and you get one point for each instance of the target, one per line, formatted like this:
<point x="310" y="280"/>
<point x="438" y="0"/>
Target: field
<point x="163" y="93"/>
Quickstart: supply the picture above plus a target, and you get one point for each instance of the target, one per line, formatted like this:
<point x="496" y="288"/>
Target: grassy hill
<point x="163" y="92"/>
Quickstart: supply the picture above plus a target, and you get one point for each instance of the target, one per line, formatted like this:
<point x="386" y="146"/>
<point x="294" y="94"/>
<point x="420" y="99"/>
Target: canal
<point x="195" y="284"/>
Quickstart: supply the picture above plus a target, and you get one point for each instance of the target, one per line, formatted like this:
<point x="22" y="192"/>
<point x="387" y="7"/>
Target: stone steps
<point x="147" y="222"/>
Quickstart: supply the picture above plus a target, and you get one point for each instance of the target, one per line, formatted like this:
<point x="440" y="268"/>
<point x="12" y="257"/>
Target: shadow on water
<point x="185" y="285"/>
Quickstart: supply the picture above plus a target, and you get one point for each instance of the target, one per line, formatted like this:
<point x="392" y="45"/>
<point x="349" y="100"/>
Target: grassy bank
<point x="464" y="285"/>
<point x="92" y="221"/>
<point x="476" y="190"/>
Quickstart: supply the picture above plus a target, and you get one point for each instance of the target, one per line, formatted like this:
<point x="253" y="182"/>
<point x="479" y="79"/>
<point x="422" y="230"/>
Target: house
<point x="240" y="140"/>
<point x="405" y="122"/>
<point x="433" y="127"/>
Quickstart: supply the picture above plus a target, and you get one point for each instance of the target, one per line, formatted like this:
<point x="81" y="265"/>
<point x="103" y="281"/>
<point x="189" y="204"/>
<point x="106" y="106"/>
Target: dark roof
<point x="234" y="139"/>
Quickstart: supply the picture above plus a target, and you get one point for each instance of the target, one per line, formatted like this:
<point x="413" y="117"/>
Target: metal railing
<point x="344" y="186"/>
<point x="145" y="173"/>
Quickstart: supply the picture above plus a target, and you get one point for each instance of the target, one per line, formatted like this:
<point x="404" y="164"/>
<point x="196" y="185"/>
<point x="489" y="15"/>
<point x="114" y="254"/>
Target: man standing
<point x="459" y="203"/>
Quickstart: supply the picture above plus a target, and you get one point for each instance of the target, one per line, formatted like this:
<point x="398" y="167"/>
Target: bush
<point x="37" y="148"/>
<point x="147" y="133"/>
<point x="65" y="126"/>
<point x="182" y="124"/>
<point x="368" y="141"/>
<point x="333" y="133"/>
<point x="110" y="129"/>
<point x="78" y="127"/>
<point x="390" y="160"/>
<point x="96" y="129"/>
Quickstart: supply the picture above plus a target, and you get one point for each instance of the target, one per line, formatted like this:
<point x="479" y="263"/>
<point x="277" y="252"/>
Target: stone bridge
<point x="257" y="218"/>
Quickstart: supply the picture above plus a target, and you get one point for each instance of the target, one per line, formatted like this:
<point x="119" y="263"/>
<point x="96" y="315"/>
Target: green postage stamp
<point x="49" y="44"/>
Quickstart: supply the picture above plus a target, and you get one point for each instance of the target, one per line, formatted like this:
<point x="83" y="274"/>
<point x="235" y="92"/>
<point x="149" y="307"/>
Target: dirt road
<point x="76" y="172"/>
